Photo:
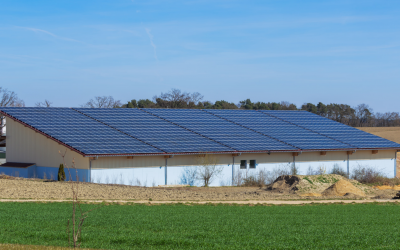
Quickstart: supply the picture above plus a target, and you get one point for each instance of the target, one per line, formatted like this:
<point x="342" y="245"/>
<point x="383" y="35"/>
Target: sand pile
<point x="342" y="188"/>
<point x="386" y="187"/>
<point x="319" y="185"/>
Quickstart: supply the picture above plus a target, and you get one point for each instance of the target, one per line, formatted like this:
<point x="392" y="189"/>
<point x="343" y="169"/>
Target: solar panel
<point x="155" y="131"/>
<point x="215" y="128"/>
<point x="333" y="129"/>
<point x="136" y="131"/>
<point x="281" y="130"/>
<point x="79" y="131"/>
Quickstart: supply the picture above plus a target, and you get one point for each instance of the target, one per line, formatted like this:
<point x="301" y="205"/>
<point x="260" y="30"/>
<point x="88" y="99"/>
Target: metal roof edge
<point x="243" y="152"/>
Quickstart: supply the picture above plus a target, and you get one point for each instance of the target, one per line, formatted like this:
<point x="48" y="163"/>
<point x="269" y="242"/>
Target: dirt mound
<point x="352" y="196"/>
<point x="285" y="184"/>
<point x="384" y="197"/>
<point x="342" y="188"/>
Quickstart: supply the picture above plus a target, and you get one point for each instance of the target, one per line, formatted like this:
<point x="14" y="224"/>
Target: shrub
<point x="61" y="173"/>
<point x="368" y="175"/>
<point x="258" y="180"/>
<point x="251" y="181"/>
<point x="188" y="176"/>
<point x="338" y="170"/>
<point x="294" y="170"/>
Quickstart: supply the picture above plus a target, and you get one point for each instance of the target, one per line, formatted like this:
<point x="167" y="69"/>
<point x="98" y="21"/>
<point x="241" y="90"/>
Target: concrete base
<point x="45" y="173"/>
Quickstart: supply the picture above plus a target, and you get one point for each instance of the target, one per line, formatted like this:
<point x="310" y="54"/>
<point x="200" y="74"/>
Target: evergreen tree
<point x="61" y="173"/>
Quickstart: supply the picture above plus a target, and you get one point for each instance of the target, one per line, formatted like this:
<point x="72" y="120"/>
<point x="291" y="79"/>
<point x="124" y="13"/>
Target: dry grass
<point x="370" y="176"/>
<point x="32" y="247"/>
<point x="390" y="133"/>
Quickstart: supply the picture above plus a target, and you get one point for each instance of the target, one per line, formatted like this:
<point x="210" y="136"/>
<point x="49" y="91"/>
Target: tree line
<point x="359" y="116"/>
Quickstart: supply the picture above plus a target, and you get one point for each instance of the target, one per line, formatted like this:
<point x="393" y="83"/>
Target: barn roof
<point x="191" y="131"/>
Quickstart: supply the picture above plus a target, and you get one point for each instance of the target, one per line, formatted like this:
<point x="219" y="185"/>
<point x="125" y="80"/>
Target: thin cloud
<point x="152" y="44"/>
<point x="48" y="33"/>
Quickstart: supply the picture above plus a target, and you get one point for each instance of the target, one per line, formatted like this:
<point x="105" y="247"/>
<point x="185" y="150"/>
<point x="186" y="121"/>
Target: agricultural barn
<point x="155" y="146"/>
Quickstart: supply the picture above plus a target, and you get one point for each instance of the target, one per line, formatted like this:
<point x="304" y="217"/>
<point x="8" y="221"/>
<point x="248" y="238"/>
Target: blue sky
<point x="296" y="51"/>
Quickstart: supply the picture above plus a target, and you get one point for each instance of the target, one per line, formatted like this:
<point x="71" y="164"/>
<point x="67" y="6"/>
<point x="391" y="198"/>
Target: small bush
<point x="294" y="170"/>
<point x="310" y="171"/>
<point x="368" y="175"/>
<point x="61" y="173"/>
<point x="258" y="180"/>
<point x="338" y="170"/>
<point x="321" y="170"/>
<point x="251" y="181"/>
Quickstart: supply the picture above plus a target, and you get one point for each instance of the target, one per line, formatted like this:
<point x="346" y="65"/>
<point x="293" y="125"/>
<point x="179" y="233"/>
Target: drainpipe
<point x="166" y="164"/>
<point x="395" y="164"/>
<point x="294" y="157"/>
<point x="294" y="161"/>
<point x="90" y="167"/>
<point x="348" y="166"/>
<point x="90" y="170"/>
<point x="233" y="170"/>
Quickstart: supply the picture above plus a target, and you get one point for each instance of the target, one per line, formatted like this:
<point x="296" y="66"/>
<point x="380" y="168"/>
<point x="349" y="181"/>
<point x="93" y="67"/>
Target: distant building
<point x="154" y="146"/>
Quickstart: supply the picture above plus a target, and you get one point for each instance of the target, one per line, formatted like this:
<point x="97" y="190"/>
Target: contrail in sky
<point x="48" y="33"/>
<point x="152" y="44"/>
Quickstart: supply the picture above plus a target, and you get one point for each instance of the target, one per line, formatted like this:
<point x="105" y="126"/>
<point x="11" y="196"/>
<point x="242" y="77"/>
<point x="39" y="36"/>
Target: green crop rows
<point x="354" y="226"/>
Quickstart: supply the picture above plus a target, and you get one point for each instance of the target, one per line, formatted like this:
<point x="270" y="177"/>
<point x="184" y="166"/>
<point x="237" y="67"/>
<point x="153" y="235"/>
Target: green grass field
<point x="356" y="226"/>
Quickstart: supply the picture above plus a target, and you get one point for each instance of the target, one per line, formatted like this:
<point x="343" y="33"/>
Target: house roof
<point x="128" y="131"/>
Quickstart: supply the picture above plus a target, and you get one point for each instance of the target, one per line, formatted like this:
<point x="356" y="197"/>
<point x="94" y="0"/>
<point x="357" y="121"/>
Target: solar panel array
<point x="218" y="129"/>
<point x="159" y="131"/>
<point x="281" y="130"/>
<point x="79" y="131"/>
<point x="155" y="131"/>
<point x="346" y="134"/>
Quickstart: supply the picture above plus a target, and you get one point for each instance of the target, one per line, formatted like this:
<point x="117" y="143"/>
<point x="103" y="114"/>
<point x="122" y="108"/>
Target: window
<point x="243" y="164"/>
<point x="253" y="164"/>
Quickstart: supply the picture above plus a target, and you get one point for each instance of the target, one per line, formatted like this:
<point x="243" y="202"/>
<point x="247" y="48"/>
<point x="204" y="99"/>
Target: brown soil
<point x="284" y="188"/>
<point x="385" y="187"/>
<point x="342" y="188"/>
<point x="311" y="195"/>
<point x="285" y="184"/>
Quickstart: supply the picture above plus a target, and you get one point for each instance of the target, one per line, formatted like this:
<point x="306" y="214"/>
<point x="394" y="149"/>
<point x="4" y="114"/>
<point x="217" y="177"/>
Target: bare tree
<point x="46" y="103"/>
<point x="196" y="97"/>
<point x="189" y="176"/>
<point x="102" y="102"/>
<point x="8" y="99"/>
<point x="77" y="222"/>
<point x="175" y="98"/>
<point x="208" y="169"/>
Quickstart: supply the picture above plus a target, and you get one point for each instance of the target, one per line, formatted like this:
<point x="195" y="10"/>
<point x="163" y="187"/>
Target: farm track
<point x="266" y="202"/>
<point x="35" y="190"/>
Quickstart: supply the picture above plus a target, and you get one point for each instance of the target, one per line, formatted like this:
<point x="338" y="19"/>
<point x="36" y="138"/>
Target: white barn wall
<point x="154" y="176"/>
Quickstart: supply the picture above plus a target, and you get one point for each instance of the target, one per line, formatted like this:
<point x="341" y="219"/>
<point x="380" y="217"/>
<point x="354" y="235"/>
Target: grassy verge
<point x="207" y="226"/>
<point x="32" y="247"/>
